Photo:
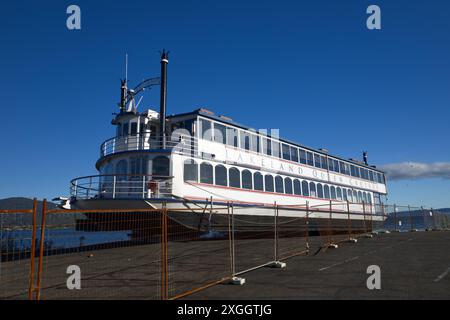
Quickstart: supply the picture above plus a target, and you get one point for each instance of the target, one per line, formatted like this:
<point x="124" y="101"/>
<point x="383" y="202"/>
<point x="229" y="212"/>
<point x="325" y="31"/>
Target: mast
<point x="162" y="111"/>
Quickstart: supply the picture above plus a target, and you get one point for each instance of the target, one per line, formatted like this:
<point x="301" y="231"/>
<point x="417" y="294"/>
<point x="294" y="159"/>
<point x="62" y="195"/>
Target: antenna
<point x="126" y="67"/>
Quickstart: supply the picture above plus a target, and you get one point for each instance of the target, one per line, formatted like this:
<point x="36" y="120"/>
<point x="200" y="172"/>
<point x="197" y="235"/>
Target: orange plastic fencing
<point x="170" y="253"/>
<point x="116" y="253"/>
<point x="17" y="253"/>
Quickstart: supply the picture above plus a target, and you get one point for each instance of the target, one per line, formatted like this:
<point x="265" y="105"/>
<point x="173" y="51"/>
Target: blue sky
<point x="310" y="68"/>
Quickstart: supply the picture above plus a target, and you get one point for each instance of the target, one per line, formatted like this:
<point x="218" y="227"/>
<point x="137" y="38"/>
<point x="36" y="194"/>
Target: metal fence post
<point x="41" y="250"/>
<point x="364" y="215"/>
<point x="349" y="223"/>
<point x="33" y="252"/>
<point x="410" y="219"/>
<point x="164" y="277"/>
<point x="395" y="217"/>
<point x="275" y="207"/>
<point x="329" y="225"/>
<point x="307" y="227"/>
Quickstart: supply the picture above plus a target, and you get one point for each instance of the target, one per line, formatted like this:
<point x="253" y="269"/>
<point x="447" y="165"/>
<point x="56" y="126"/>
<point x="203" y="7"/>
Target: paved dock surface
<point x="414" y="265"/>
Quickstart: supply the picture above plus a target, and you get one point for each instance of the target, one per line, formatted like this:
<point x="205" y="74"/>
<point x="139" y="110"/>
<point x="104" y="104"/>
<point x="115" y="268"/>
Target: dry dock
<point x="414" y="265"/>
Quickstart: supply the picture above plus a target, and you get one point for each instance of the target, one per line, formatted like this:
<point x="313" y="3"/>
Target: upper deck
<point x="202" y="135"/>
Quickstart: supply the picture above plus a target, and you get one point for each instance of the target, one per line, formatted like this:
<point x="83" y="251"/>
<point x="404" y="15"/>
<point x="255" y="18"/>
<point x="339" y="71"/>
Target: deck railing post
<point x="114" y="187"/>
<point x="143" y="187"/>
<point x="33" y="252"/>
<point x="41" y="250"/>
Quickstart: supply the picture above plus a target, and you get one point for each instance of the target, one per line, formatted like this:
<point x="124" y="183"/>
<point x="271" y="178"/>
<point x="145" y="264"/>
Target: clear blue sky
<point x="310" y="68"/>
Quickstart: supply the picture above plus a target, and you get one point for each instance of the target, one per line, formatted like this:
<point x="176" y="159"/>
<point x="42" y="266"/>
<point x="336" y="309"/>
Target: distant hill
<point x="21" y="203"/>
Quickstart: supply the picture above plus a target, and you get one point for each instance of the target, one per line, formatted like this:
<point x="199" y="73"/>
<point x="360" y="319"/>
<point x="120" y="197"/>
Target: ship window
<point x="221" y="175"/>
<point x="276" y="149"/>
<point x="160" y="166"/>
<point x="121" y="169"/>
<point x="354" y="171"/>
<point x="220" y="133"/>
<point x="254" y="143"/>
<point x="247" y="182"/>
<point x="206" y="173"/>
<point x="235" y="178"/>
<point x="326" y="192"/>
<point x="268" y="181"/>
<point x="190" y="170"/>
<point x="279" y="184"/>
<point x="324" y="162"/>
<point x="342" y="167"/>
<point x="369" y="198"/>
<point x="317" y="160"/>
<point x="309" y="159"/>
<point x="206" y="129"/>
<point x="364" y="174"/>
<point x="133" y="128"/>
<point x="371" y="176"/>
<point x="288" y="185"/>
<point x="355" y="196"/>
<point x="135" y="165"/>
<point x="319" y="190"/>
<point x="312" y="189"/>
<point x="360" y="198"/>
<point x="336" y="166"/>
<point x="339" y="193"/>
<point x="297" y="187"/>
<point x="259" y="182"/>
<point x="344" y="195"/>
<point x="232" y="137"/>
<point x="330" y="165"/>
<point x="125" y="127"/>
<point x="267" y="147"/>
<point x="294" y="154"/>
<point x="379" y="179"/>
<point x="119" y="130"/>
<point x="349" y="195"/>
<point x="245" y="140"/>
<point x="286" y="152"/>
<point x="333" y="193"/>
<point x="305" y="188"/>
<point x="302" y="156"/>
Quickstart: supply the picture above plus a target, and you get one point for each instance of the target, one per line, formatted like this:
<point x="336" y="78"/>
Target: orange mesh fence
<point x="292" y="233"/>
<point x="198" y="245"/>
<point x="17" y="253"/>
<point x="254" y="236"/>
<point x="117" y="254"/>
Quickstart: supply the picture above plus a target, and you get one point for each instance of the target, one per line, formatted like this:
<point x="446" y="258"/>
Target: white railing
<point x="121" y="186"/>
<point x="179" y="143"/>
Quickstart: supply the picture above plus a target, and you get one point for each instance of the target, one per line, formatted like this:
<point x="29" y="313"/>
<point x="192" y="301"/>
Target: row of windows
<point x="221" y="176"/>
<point x="214" y="131"/>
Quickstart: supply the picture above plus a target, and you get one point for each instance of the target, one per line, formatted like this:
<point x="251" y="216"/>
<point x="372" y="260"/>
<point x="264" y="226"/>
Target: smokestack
<point x="162" y="110"/>
<point x="123" y="94"/>
<point x="365" y="158"/>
